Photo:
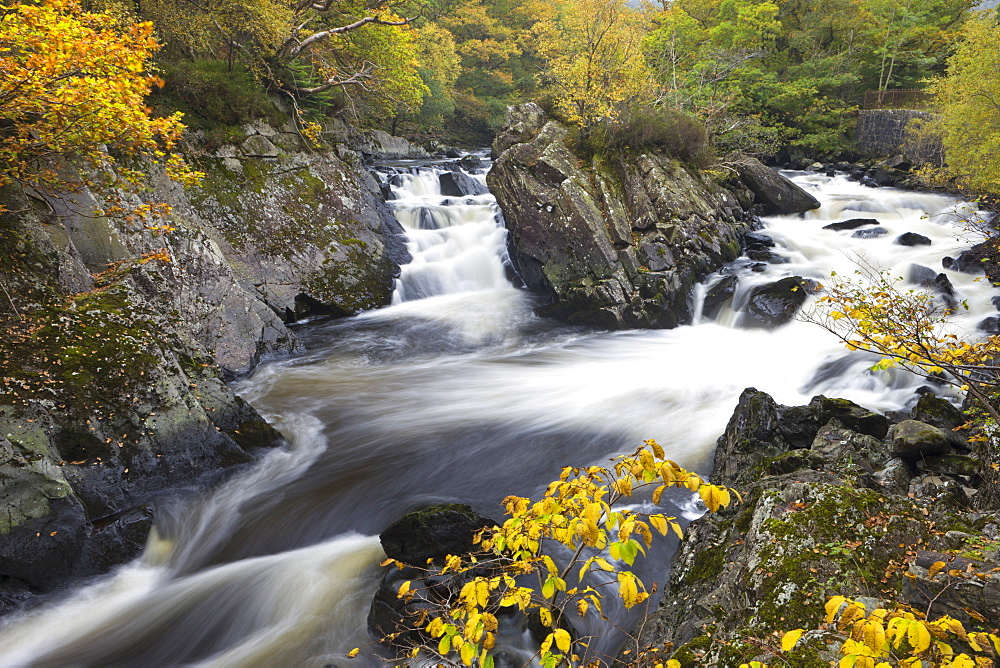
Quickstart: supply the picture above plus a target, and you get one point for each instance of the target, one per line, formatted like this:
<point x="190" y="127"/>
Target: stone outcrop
<point x="615" y="243"/>
<point x="836" y="501"/>
<point x="774" y="194"/>
<point x="117" y="339"/>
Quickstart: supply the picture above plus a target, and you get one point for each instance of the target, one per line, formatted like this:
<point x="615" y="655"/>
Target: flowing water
<point x="457" y="392"/>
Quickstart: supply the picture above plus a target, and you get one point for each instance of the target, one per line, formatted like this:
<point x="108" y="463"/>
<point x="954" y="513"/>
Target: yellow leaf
<point x="935" y="568"/>
<point x="468" y="653"/>
<point x="353" y="653"/>
<point x="659" y="523"/>
<point x="715" y="497"/>
<point x="918" y="636"/>
<point x="832" y="606"/>
<point x="789" y="640"/>
<point x="563" y="640"/>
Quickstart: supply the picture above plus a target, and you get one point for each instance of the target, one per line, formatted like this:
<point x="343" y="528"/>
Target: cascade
<point x="458" y="393"/>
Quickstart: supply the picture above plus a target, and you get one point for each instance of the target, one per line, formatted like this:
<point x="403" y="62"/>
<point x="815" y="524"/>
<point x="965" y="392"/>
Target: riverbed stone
<point x="913" y="440"/>
<point x="912" y="239"/>
<point x="459" y="184"/>
<point x="851" y="224"/>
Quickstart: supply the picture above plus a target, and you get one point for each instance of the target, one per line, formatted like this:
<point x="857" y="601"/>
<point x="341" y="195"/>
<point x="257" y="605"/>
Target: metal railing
<point x="898" y="99"/>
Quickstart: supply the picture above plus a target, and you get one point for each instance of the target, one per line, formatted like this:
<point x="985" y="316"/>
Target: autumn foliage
<point x="72" y="90"/>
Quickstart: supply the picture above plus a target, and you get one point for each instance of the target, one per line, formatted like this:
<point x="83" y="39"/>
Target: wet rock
<point x="433" y="533"/>
<point x="718" y="295"/>
<point x="871" y="233"/>
<point x="453" y="153"/>
<point x="982" y="257"/>
<point x="798" y="425"/>
<point x="852" y="416"/>
<point x="752" y="436"/>
<point x="912" y="440"/>
<point x="990" y="325"/>
<point x="774" y="304"/>
<point x="758" y="239"/>
<point x="459" y="184"/>
<point x="851" y="224"/>
<point x="912" y="239"/>
<point x="776" y="194"/>
<point x="921" y="275"/>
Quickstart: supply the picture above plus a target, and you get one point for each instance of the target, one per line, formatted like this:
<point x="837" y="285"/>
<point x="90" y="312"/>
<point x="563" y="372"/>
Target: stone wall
<point x="884" y="132"/>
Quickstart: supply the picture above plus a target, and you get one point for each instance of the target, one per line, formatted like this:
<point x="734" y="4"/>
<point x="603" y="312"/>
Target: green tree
<point x="969" y="100"/>
<point x="593" y="59"/>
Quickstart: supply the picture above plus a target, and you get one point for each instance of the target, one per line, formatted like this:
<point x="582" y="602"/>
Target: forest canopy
<point x="758" y="74"/>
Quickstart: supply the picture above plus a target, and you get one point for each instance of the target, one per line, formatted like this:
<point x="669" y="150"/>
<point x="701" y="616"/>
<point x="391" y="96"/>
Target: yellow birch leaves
<point x="886" y="638"/>
<point x="578" y="512"/>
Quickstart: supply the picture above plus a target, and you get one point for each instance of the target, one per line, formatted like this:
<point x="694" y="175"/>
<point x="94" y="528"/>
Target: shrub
<point x="649" y="127"/>
<point x="213" y="94"/>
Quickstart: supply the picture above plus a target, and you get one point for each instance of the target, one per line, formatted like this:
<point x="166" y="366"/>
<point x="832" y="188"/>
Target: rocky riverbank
<point x="118" y="339"/>
<point x="838" y="500"/>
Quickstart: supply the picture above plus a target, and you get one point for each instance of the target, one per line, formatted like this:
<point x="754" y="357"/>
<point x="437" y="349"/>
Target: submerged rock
<point x="433" y="533"/>
<point x="459" y="184"/>
<point x="912" y="239"/>
<point x="851" y="224"/>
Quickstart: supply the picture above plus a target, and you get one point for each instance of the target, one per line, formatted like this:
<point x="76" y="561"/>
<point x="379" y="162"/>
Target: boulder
<point x="433" y="533"/>
<point x="758" y="239"/>
<point x="774" y="304"/>
<point x="982" y="257"/>
<point x="990" y="325"/>
<point x="912" y="440"/>
<point x="912" y="239"/>
<point x="459" y="184"/>
<point x="776" y="194"/>
<point x="851" y="224"/>
<point x="844" y="447"/>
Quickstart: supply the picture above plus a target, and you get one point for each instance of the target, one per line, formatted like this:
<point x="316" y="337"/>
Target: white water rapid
<point x="459" y="393"/>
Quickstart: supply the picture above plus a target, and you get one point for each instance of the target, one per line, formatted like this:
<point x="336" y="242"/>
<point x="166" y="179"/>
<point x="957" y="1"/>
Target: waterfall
<point x="458" y="393"/>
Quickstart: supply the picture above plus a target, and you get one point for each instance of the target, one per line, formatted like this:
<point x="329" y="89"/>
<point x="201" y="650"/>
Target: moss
<point x="835" y="541"/>
<point x="691" y="653"/>
<point x="91" y="351"/>
<point x="254" y="433"/>
<point x="707" y="564"/>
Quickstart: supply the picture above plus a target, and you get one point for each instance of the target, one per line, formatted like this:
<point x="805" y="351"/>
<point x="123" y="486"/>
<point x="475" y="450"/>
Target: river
<point x="458" y="393"/>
